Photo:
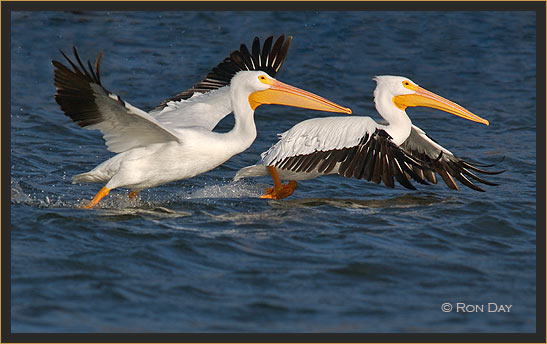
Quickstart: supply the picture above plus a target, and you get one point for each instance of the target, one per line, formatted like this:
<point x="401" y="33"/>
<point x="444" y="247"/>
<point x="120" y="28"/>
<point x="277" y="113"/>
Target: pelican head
<point x="263" y="89"/>
<point x="404" y="93"/>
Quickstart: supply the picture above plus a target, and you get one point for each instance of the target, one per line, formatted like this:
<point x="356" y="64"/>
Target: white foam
<point x="239" y="189"/>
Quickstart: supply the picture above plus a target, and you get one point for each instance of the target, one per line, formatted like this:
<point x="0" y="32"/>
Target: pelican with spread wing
<point x="359" y="147"/>
<point x="176" y="141"/>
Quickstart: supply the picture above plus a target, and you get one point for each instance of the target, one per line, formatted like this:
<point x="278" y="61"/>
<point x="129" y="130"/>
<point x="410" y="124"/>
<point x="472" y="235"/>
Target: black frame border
<point x="538" y="6"/>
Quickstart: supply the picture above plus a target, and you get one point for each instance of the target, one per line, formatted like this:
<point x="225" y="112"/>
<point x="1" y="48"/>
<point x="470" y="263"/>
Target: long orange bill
<point x="284" y="94"/>
<point x="423" y="97"/>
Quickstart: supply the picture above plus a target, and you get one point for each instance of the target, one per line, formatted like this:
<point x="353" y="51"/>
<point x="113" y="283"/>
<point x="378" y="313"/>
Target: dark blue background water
<point x="340" y="255"/>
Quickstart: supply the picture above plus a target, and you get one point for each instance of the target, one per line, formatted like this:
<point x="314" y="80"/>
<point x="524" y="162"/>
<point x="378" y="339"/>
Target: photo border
<point x="8" y="337"/>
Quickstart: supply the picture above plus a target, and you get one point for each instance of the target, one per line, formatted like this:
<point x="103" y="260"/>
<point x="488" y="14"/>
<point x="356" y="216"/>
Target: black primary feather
<point x="448" y="166"/>
<point x="269" y="61"/>
<point x="375" y="158"/>
<point x="75" y="93"/>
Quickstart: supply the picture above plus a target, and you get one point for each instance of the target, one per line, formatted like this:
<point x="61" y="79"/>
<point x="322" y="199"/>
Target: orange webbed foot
<point x="285" y="190"/>
<point x="103" y="192"/>
<point x="133" y="195"/>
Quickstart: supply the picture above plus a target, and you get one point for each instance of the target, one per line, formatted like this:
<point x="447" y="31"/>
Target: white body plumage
<point x="193" y="149"/>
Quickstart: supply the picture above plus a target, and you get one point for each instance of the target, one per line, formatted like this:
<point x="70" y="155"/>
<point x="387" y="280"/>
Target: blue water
<point x="340" y="255"/>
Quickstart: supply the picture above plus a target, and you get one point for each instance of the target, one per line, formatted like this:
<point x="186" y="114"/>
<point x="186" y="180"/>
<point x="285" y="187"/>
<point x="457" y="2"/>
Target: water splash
<point x="239" y="189"/>
<point x="20" y="196"/>
<point x="119" y="201"/>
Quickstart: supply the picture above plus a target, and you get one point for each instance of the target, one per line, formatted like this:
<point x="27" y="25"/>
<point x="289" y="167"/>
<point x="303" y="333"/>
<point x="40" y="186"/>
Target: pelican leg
<point x="103" y="192"/>
<point x="279" y="191"/>
<point x="133" y="195"/>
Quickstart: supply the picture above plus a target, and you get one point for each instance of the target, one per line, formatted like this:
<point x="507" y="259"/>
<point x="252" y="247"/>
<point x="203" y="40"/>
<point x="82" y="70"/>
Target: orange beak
<point x="423" y="97"/>
<point x="283" y="94"/>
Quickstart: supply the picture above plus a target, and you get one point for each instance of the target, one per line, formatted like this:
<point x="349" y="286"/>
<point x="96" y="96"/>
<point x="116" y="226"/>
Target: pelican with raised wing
<point x="154" y="150"/>
<point x="359" y="147"/>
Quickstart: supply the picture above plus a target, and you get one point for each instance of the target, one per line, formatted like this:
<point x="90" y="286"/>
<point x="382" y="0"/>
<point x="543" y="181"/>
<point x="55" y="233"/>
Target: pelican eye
<point x="263" y="79"/>
<point x="409" y="85"/>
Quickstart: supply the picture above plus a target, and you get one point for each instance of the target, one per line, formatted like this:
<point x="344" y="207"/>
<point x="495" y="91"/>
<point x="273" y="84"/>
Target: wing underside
<point x="375" y="158"/>
<point x="82" y="97"/>
<point x="355" y="148"/>
<point x="206" y="103"/>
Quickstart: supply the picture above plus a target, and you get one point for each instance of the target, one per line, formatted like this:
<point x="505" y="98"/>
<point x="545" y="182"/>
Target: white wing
<point x="201" y="110"/>
<point x="208" y="102"/>
<point x="418" y="140"/>
<point x="320" y="134"/>
<point x="354" y="147"/>
<point x="82" y="98"/>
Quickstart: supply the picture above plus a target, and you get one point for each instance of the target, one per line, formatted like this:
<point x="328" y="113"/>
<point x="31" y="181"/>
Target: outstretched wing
<point x="82" y="97"/>
<point x="354" y="147"/>
<point x="208" y="101"/>
<point x="441" y="161"/>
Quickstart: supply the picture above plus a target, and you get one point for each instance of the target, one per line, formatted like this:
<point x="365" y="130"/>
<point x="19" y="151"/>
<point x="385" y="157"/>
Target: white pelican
<point x="359" y="147"/>
<point x="153" y="151"/>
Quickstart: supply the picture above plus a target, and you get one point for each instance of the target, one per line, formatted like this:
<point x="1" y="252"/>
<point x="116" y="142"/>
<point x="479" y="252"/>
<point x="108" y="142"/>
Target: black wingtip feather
<point x="74" y="93"/>
<point x="448" y="166"/>
<point x="97" y="66"/>
<point x="375" y="159"/>
<point x="257" y="58"/>
<point x="269" y="60"/>
<point x="266" y="48"/>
